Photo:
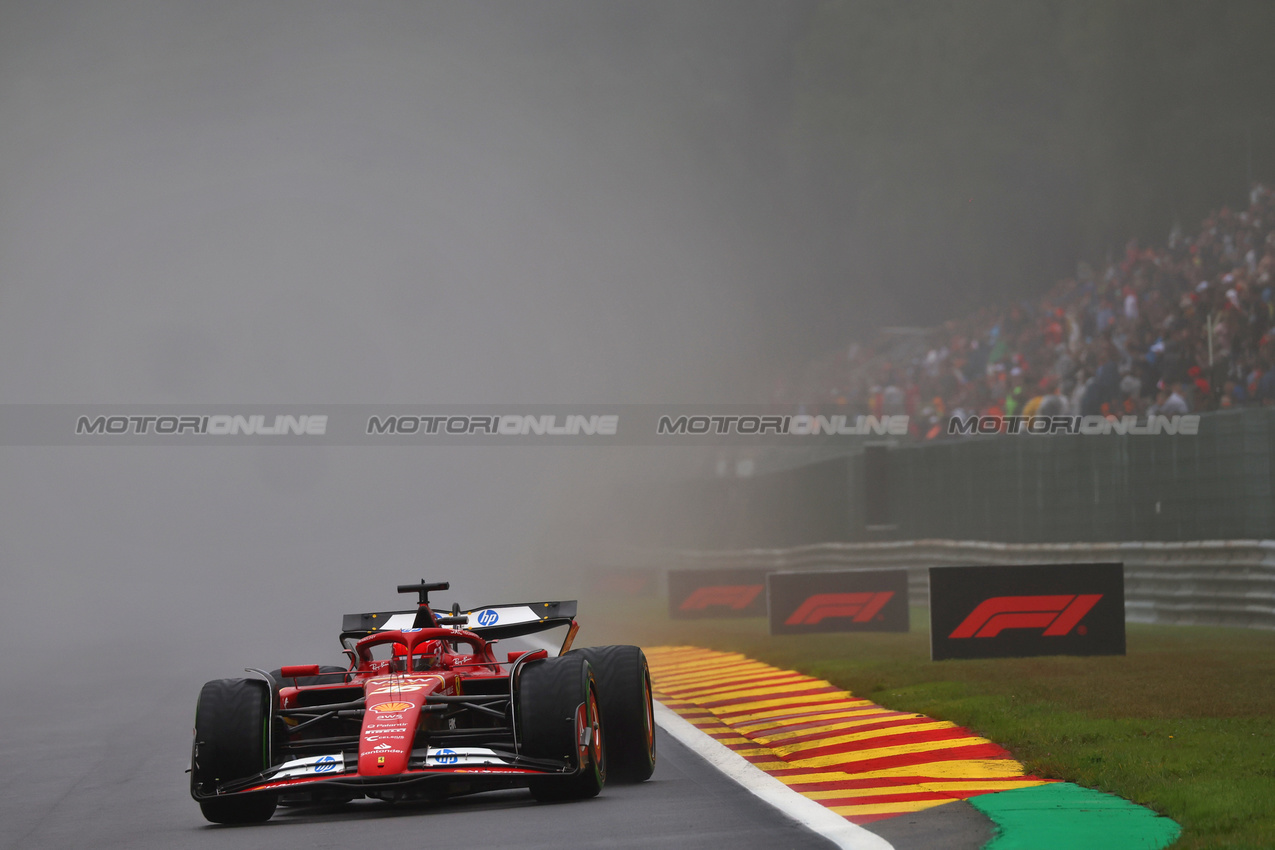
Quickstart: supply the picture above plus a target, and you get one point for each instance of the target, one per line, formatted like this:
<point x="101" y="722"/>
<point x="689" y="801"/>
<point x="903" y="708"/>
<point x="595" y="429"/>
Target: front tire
<point x="559" y="719"/>
<point x="231" y="742"/>
<point x="624" y="695"/>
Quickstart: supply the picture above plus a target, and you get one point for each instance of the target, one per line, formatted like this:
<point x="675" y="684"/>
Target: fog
<point x="334" y="203"/>
<point x="538" y="203"/>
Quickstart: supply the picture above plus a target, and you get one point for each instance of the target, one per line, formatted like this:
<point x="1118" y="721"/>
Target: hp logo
<point x="446" y="757"/>
<point x="488" y="617"/>
<point x="327" y="764"/>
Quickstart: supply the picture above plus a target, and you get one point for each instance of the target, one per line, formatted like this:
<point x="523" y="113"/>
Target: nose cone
<point x="391" y="720"/>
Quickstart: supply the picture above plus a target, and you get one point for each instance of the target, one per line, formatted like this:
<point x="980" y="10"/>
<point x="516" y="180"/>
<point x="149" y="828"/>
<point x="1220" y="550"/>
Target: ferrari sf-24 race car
<point x="426" y="710"/>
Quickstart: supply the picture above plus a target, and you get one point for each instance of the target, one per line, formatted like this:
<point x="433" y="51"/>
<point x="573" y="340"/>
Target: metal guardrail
<point x="1212" y="582"/>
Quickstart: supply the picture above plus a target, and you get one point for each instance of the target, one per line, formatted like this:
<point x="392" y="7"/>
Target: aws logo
<point x="858" y="607"/>
<point x="1057" y="615"/>
<point x="734" y="596"/>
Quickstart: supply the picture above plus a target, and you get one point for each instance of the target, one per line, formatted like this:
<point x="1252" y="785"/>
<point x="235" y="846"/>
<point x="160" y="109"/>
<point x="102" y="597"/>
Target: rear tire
<point x="231" y="742"/>
<point x="624" y="695"/>
<point x="558" y="702"/>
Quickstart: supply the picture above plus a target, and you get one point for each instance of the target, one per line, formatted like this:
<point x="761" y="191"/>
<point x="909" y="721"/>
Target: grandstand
<point x="1186" y="326"/>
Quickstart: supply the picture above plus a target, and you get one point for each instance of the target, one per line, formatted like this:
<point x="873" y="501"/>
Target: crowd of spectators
<point x="1188" y="326"/>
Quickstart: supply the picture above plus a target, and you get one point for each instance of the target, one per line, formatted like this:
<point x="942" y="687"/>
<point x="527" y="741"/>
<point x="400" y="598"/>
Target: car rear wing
<point x="490" y="623"/>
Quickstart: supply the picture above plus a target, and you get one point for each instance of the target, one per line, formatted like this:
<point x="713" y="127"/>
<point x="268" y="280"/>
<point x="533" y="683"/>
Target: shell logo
<point x="392" y="706"/>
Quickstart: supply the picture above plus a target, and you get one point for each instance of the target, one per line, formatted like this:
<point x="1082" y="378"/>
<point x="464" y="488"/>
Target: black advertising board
<point x="1015" y="612"/>
<point x="717" y="593"/>
<point x="842" y="601"/>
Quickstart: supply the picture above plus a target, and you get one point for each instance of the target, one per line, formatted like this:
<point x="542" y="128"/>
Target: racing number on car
<point x="405" y="685"/>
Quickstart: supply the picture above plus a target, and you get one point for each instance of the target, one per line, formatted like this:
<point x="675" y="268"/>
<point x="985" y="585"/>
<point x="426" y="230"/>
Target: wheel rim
<point x="597" y="754"/>
<point x="587" y="717"/>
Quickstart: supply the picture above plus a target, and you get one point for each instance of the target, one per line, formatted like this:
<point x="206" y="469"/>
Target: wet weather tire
<point x="231" y="743"/>
<point x="624" y="695"/>
<point x="559" y="719"/>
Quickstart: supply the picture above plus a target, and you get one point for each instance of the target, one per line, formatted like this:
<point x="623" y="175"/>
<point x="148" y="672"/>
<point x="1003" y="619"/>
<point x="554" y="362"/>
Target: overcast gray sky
<point x="335" y="202"/>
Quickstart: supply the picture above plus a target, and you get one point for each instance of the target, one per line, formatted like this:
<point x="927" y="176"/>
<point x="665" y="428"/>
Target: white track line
<point x="807" y="812"/>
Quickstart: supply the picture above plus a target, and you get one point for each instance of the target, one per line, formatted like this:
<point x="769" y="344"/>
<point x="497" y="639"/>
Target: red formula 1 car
<point x="427" y="710"/>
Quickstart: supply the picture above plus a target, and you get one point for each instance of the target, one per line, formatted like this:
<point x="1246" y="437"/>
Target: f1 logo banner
<point x="1015" y="612"/>
<point x="717" y="593"/>
<point x="845" y="601"/>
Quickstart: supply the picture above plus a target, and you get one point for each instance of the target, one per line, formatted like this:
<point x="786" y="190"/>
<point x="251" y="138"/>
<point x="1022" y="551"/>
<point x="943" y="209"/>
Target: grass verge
<point x="1184" y="723"/>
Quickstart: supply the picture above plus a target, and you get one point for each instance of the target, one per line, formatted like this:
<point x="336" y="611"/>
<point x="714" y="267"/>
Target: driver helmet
<point x="426" y="656"/>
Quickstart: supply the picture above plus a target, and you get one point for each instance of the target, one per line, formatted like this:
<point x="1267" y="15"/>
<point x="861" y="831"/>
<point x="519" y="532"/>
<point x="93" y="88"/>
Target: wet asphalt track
<point x="100" y="764"/>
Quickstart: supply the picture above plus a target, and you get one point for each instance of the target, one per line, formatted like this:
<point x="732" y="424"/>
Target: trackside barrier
<point x="1212" y="582"/>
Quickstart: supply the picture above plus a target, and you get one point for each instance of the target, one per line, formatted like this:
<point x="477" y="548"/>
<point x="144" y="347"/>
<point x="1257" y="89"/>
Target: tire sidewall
<point x="627" y="705"/>
<point x="232" y="741"/>
<point x="558" y="697"/>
